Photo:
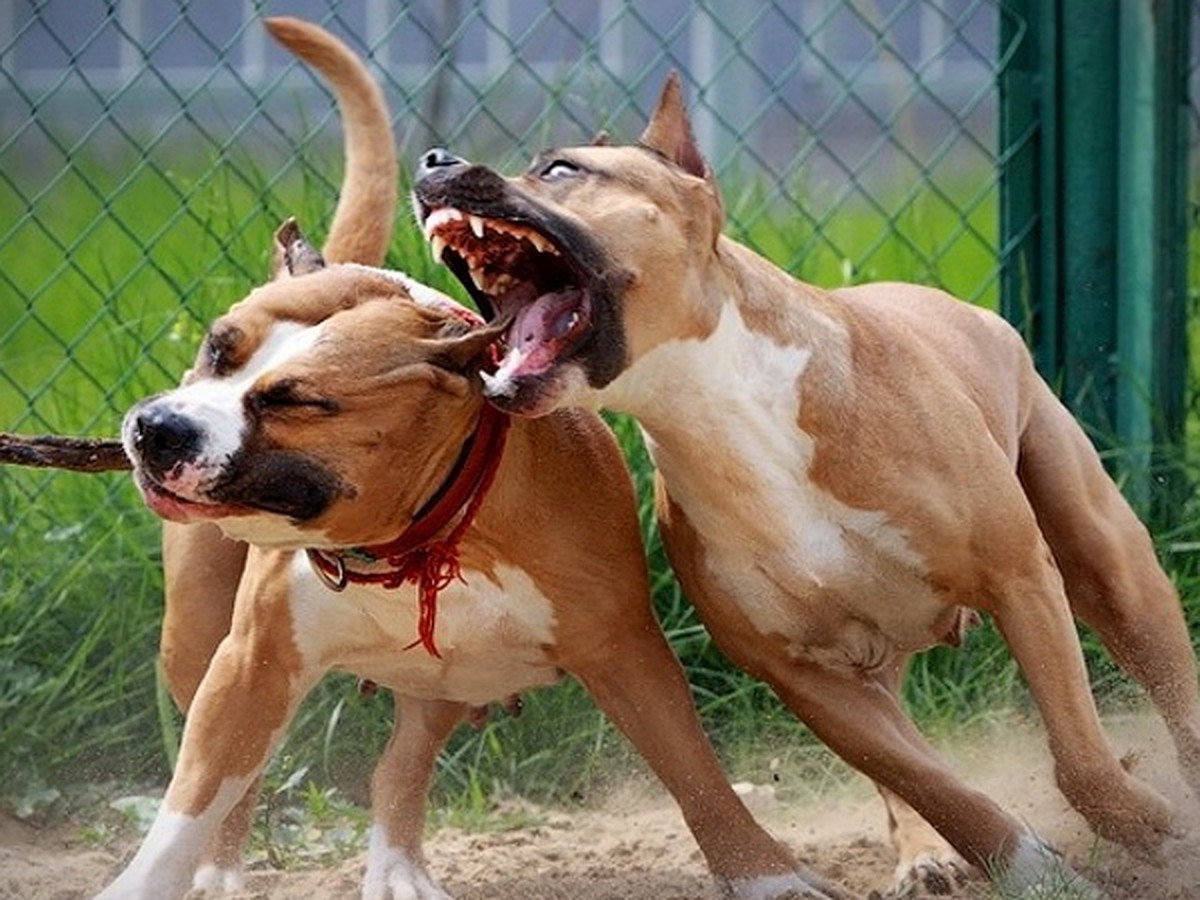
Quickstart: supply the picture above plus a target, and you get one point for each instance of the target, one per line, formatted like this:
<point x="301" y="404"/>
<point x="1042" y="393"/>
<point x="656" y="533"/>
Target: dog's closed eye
<point x="287" y="395"/>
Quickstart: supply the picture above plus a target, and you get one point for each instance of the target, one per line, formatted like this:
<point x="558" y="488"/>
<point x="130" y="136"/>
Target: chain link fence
<point x="149" y="148"/>
<point x="854" y="140"/>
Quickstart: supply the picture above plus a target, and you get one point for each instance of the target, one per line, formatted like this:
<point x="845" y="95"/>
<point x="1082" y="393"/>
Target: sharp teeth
<point x="437" y="246"/>
<point x="477" y="276"/>
<point x="540" y="243"/>
<point x="497" y="386"/>
<point x="440" y="217"/>
<point x="477" y="226"/>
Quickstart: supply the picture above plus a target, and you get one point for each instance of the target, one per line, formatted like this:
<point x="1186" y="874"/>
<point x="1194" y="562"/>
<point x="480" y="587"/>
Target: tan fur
<point x="561" y="513"/>
<point x="843" y="476"/>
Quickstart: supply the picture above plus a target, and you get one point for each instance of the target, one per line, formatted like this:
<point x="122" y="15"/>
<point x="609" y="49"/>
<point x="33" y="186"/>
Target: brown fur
<point x="398" y="396"/>
<point x="915" y="414"/>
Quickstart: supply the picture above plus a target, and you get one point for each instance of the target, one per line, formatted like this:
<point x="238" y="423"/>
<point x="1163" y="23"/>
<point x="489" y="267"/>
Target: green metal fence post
<point x="1094" y="236"/>
<point x="1029" y="269"/>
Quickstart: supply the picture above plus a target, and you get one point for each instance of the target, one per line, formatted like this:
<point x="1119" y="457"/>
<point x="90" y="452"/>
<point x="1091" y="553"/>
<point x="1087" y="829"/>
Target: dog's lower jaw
<point x="565" y="386"/>
<point x="393" y="873"/>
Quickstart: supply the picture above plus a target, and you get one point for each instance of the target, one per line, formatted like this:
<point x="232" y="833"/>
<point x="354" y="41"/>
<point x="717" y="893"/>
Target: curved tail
<point x="366" y="210"/>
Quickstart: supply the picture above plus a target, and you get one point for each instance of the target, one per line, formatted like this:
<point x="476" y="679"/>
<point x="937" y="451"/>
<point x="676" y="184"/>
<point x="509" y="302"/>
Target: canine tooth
<point x="540" y="243"/>
<point x="496" y="386"/>
<point x="440" y="217"/>
<point x="479" y="278"/>
<point x="437" y="246"/>
<point x="477" y="226"/>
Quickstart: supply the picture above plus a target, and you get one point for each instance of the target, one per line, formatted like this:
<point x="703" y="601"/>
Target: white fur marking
<point x="167" y="859"/>
<point x="740" y="391"/>
<point x="213" y="880"/>
<point x="1036" y="870"/>
<point x="393" y="875"/>
<point x="215" y="405"/>
<point x="491" y="634"/>
<point x="771" y="886"/>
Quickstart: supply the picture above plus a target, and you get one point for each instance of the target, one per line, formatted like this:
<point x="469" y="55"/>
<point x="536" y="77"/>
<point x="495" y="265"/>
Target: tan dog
<point x="401" y="529"/>
<point x="844" y="474"/>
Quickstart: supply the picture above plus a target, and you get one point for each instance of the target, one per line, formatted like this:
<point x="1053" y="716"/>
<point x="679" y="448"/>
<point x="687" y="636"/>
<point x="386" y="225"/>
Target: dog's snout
<point x="437" y="159"/>
<point x="162" y="437"/>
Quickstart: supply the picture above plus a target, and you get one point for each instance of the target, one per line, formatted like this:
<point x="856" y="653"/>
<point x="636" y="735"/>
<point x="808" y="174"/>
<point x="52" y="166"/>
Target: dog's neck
<point x="760" y="341"/>
<point x="426" y="551"/>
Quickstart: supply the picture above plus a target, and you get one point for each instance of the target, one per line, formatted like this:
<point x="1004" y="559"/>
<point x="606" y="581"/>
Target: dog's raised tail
<point x="366" y="210"/>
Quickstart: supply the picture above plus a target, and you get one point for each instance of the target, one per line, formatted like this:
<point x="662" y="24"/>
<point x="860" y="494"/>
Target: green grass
<point x="106" y="288"/>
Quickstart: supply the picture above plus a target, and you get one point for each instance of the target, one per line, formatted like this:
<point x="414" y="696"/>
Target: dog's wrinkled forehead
<point x="229" y="358"/>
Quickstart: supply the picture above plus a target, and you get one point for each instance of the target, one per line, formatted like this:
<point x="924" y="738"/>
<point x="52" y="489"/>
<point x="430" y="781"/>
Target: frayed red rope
<point x="435" y="565"/>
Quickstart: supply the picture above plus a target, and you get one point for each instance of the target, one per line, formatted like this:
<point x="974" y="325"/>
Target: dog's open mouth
<point x="519" y="275"/>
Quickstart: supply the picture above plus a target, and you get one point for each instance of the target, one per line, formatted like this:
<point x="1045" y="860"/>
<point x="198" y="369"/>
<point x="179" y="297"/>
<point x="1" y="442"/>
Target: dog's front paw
<point x="931" y="875"/>
<point x="1036" y="871"/>
<point x="212" y="880"/>
<point x="393" y="874"/>
<point x="793" y="886"/>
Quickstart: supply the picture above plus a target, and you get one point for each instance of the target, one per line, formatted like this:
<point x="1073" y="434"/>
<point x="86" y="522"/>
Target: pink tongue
<point x="545" y="321"/>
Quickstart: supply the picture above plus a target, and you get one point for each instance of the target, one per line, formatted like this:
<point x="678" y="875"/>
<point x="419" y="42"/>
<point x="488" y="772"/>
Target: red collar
<point x="415" y="556"/>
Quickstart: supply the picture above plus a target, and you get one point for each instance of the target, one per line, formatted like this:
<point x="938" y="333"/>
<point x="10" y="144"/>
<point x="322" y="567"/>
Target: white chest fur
<point x="491" y="634"/>
<point x="721" y="417"/>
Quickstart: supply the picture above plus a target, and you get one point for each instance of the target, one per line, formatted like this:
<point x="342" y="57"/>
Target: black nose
<point x="163" y="437"/>
<point x="437" y="159"/>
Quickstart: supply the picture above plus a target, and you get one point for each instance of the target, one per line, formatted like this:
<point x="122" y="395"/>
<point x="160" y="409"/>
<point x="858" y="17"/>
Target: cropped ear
<point x="669" y="131"/>
<point x="293" y="254"/>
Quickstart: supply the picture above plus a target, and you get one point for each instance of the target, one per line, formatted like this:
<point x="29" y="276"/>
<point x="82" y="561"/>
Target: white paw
<point x="394" y="875"/>
<point x="1037" y="871"/>
<point x="771" y="887"/>
<point x="211" y="879"/>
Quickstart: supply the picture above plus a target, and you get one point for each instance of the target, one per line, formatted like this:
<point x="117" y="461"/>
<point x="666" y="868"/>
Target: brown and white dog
<point x="844" y="476"/>
<point x="388" y="522"/>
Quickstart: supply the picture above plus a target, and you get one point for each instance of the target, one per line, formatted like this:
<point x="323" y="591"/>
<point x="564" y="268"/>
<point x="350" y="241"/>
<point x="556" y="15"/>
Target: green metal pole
<point x="1094" y="156"/>
<point x="1027" y="272"/>
<point x="1087" y="170"/>
<point x="1138" y="278"/>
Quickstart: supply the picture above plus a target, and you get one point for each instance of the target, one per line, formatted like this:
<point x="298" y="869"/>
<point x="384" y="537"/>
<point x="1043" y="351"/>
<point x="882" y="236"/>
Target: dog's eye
<point x="559" y="168"/>
<point x="286" y="395"/>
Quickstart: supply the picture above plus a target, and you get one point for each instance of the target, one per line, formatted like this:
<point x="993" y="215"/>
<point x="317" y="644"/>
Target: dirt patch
<point x="636" y="845"/>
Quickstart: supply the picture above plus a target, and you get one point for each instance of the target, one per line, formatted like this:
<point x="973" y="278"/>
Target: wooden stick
<point x="75" y="454"/>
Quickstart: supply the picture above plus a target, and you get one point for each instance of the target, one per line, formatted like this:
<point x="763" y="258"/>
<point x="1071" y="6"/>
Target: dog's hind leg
<point x="856" y="714"/>
<point x="1030" y="609"/>
<point x="399" y="789"/>
<point x="1112" y="577"/>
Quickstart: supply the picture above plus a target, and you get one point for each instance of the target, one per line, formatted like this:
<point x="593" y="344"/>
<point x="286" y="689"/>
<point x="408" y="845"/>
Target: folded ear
<point x="293" y="254"/>
<point x="669" y="131"/>
<point x="465" y="349"/>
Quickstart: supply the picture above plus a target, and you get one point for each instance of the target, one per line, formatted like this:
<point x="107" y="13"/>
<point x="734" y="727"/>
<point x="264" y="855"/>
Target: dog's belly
<point x="840" y="586"/>
<point x="492" y="635"/>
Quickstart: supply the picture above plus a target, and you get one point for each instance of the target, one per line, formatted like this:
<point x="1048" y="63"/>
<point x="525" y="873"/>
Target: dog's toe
<point x="930" y="876"/>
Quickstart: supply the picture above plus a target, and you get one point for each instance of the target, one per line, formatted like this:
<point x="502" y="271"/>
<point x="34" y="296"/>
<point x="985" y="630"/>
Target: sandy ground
<point x="635" y="845"/>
